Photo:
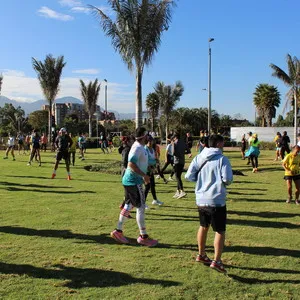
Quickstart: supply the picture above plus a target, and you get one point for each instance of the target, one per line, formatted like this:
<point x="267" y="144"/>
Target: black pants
<point x="169" y="162"/>
<point x="150" y="186"/>
<point x="283" y="150"/>
<point x="71" y="154"/>
<point x="254" y="161"/>
<point x="178" y="168"/>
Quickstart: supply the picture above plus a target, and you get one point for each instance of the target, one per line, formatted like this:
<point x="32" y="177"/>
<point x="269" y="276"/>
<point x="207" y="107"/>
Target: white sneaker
<point x="176" y="194"/>
<point x="146" y="206"/>
<point x="157" y="202"/>
<point x="170" y="179"/>
<point x="157" y="177"/>
<point x="181" y="195"/>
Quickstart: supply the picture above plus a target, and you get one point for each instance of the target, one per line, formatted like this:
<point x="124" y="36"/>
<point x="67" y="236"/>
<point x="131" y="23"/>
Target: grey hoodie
<point x="215" y="173"/>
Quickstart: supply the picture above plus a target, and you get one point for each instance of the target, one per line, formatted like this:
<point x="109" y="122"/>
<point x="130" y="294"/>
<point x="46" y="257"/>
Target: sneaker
<point x="14" y="159"/>
<point x="176" y="194"/>
<point x="147" y="242"/>
<point x="119" y="237"/>
<point x="83" y="158"/>
<point x="69" y="177"/>
<point x="181" y="195"/>
<point x="297" y="202"/>
<point x="157" y="177"/>
<point x="165" y="181"/>
<point x="203" y="259"/>
<point x="53" y="176"/>
<point x="5" y="157"/>
<point x="171" y="179"/>
<point x="146" y="206"/>
<point x="218" y="266"/>
<point x="157" y="202"/>
<point x="29" y="164"/>
<point x="289" y="200"/>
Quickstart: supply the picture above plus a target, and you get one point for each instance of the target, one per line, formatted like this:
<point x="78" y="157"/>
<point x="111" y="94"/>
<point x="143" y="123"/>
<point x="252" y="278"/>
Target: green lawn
<point x="55" y="243"/>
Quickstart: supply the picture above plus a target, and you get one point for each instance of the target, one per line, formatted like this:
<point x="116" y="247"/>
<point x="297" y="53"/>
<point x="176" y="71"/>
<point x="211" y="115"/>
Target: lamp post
<point x="105" y="99"/>
<point x="209" y="86"/>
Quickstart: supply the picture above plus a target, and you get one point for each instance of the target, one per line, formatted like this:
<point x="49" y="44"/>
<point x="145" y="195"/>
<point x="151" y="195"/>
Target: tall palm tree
<point x="168" y="98"/>
<point x="266" y="99"/>
<point x="292" y="80"/>
<point x="49" y="74"/>
<point x="136" y="34"/>
<point x="90" y="94"/>
<point x="1" y="80"/>
<point x="152" y="104"/>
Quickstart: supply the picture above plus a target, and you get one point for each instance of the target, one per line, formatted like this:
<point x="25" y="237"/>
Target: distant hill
<point x="37" y="105"/>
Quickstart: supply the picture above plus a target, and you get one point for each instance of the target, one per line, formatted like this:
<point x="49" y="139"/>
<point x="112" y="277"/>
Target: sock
<point x="124" y="216"/>
<point x="140" y="219"/>
<point x="54" y="171"/>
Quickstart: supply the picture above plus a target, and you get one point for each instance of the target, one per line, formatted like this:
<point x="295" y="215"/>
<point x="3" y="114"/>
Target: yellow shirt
<point x="293" y="163"/>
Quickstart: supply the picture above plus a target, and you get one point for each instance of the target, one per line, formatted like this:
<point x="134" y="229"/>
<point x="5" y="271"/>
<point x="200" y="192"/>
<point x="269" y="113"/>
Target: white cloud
<point x="70" y="3"/>
<point x="87" y="71"/>
<point x="49" y="13"/>
<point x="80" y="9"/>
<point x="17" y="86"/>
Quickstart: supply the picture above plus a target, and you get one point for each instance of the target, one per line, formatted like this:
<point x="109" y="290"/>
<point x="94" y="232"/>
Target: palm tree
<point x="1" y="80"/>
<point x="90" y="94"/>
<point x="152" y="104"/>
<point x="168" y="98"/>
<point x="292" y="79"/>
<point x="266" y="99"/>
<point x="136" y="34"/>
<point x="49" y="73"/>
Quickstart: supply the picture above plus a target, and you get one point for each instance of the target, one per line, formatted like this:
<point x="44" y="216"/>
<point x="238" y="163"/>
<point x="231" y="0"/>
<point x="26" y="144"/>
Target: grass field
<point x="55" y="243"/>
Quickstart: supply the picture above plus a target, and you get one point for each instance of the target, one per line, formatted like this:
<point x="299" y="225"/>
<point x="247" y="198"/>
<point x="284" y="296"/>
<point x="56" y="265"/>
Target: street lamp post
<point x="209" y="87"/>
<point x="105" y="99"/>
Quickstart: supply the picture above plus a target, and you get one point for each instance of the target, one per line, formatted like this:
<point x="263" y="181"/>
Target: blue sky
<point x="249" y="35"/>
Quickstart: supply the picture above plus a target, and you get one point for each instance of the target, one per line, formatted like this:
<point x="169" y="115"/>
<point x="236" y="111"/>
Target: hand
<point x="146" y="179"/>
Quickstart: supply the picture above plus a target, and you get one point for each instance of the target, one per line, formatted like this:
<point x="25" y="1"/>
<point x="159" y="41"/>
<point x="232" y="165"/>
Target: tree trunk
<point x="90" y="126"/>
<point x="50" y="122"/>
<point x="295" y="117"/>
<point x="152" y="120"/>
<point x="167" y="129"/>
<point x="138" y="101"/>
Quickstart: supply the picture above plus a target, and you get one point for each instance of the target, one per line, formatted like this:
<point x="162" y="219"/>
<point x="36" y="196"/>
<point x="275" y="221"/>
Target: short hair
<point x="214" y="140"/>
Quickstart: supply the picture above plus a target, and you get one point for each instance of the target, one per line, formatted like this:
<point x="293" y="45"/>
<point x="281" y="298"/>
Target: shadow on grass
<point x="31" y="185"/>
<point x="249" y="280"/>
<point x="263" y="251"/>
<point x="247" y="194"/>
<point x="262" y="224"/>
<point x="81" y="278"/>
<point x="15" y="189"/>
<point x="263" y="214"/>
<point x="66" y="234"/>
<point x="257" y="200"/>
<point x="249" y="182"/>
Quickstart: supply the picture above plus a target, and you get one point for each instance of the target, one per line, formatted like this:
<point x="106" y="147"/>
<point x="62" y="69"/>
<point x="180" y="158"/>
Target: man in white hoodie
<point x="211" y="171"/>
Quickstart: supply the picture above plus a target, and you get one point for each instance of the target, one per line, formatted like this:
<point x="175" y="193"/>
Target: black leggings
<point x="178" y="168"/>
<point x="169" y="162"/>
<point x="254" y="161"/>
<point x="150" y="186"/>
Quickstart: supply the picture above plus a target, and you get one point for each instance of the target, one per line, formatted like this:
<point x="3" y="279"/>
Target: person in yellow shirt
<point x="277" y="141"/>
<point x="291" y="165"/>
<point x="72" y="149"/>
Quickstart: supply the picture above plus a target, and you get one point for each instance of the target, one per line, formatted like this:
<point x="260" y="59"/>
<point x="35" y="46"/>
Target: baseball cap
<point x="63" y="129"/>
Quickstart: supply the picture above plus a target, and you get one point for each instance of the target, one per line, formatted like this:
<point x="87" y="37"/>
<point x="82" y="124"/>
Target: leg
<point x="152" y="186"/>
<point x="297" y="185"/>
<point x="219" y="245"/>
<point x="289" y="189"/>
<point x="201" y="238"/>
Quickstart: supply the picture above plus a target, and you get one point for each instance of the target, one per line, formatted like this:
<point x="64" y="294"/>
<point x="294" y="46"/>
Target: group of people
<point x="210" y="170"/>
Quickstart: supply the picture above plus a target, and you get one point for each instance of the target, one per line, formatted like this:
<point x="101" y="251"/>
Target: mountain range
<point x="29" y="107"/>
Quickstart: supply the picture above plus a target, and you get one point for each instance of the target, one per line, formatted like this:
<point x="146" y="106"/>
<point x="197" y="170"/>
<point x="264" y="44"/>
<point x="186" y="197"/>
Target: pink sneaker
<point x="147" y="242"/>
<point x="119" y="237"/>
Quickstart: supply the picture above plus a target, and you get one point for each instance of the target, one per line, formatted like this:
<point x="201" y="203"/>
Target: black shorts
<point x="62" y="155"/>
<point x="134" y="194"/>
<point x="294" y="178"/>
<point x="214" y="216"/>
